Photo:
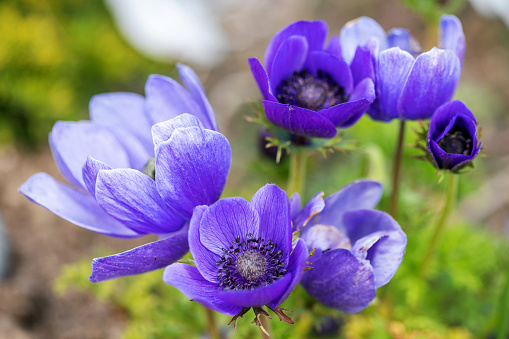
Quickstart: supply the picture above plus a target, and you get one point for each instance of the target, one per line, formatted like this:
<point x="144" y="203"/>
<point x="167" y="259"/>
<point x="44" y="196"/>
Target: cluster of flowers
<point x="157" y="165"/>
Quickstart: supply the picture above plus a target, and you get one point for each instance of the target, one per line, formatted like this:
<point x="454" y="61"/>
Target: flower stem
<point x="297" y="177"/>
<point x="396" y="171"/>
<point x="211" y="324"/>
<point x="450" y="200"/>
<point x="503" y="319"/>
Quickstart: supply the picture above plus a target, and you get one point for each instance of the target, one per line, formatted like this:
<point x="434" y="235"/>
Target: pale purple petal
<point x="394" y="66"/>
<point x="259" y="296"/>
<point x="162" y="131"/>
<point x="131" y="197"/>
<point x="296" y="266"/>
<point x="400" y="37"/>
<point x="295" y="206"/>
<point x="315" y="32"/>
<point x="299" y="121"/>
<point x="205" y="260"/>
<point x="189" y="281"/>
<point x="451" y="36"/>
<point x="273" y="209"/>
<point x="145" y="258"/>
<point x="378" y="234"/>
<point x="360" y="32"/>
<point x="226" y="220"/>
<point x="289" y="59"/>
<point x="431" y="82"/>
<point x="340" y="280"/>
<point x="73" y="142"/>
<point x="73" y="205"/>
<point x="326" y="237"/>
<point x="361" y="194"/>
<point x="191" y="168"/>
<point x="90" y="171"/>
<point x="314" y="206"/>
<point x="261" y="78"/>
<point x="193" y="85"/>
<point x="166" y="98"/>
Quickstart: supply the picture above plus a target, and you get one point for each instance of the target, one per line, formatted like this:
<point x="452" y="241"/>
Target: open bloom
<point x="358" y="249"/>
<point x="243" y="254"/>
<point x="452" y="137"/>
<point x="308" y="88"/>
<point x="407" y="87"/>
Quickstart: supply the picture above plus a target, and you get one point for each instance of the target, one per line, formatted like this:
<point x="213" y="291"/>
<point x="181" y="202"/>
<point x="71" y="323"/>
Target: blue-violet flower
<point x="452" y="136"/>
<point x="407" y="87"/>
<point x="308" y="88"/>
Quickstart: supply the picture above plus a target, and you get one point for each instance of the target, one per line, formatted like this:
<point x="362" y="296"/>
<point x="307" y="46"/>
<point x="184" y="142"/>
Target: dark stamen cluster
<point x="249" y="264"/>
<point x="456" y="141"/>
<point x="306" y="90"/>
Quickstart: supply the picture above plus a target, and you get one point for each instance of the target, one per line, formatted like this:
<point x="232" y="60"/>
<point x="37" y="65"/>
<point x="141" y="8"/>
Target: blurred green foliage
<point x="54" y="56"/>
<point x="431" y="10"/>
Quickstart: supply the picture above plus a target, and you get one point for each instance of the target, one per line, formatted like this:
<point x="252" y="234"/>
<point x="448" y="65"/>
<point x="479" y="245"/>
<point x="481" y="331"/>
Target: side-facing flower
<point x="358" y="249"/>
<point x="407" y="87"/>
<point x="308" y="88"/>
<point x="452" y="139"/>
<point x="243" y="255"/>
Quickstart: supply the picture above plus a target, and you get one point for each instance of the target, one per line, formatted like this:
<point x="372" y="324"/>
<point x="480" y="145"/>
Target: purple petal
<point x="298" y="120"/>
<point x="445" y="116"/>
<point x="261" y="78"/>
<point x="273" y="209"/>
<point x="346" y="114"/>
<point x="381" y="239"/>
<point x="295" y="204"/>
<point x="432" y="82"/>
<point x="315" y="32"/>
<point x="90" y="171"/>
<point x="146" y="258"/>
<point x="205" y="260"/>
<point x="400" y="37"/>
<point x="314" y="206"/>
<point x="131" y="197"/>
<point x="189" y="281"/>
<point x="337" y="68"/>
<point x="162" y="131"/>
<point x="191" y="168"/>
<point x="166" y="98"/>
<point x="334" y="47"/>
<point x="445" y="160"/>
<point x="361" y="194"/>
<point x="193" y="85"/>
<point x="296" y="266"/>
<point x="451" y="36"/>
<point x="289" y="59"/>
<point x="360" y="32"/>
<point x="340" y="280"/>
<point x="226" y="220"/>
<point x="362" y="66"/>
<point x="72" y="205"/>
<point x="394" y="66"/>
<point x="259" y="296"/>
<point x="72" y="142"/>
<point x="326" y="237"/>
<point x="122" y="110"/>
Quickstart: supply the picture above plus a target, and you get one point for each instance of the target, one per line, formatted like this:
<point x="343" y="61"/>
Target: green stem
<point x="450" y="200"/>
<point x="297" y="177"/>
<point x="503" y="316"/>
<point x="396" y="171"/>
<point x="211" y="324"/>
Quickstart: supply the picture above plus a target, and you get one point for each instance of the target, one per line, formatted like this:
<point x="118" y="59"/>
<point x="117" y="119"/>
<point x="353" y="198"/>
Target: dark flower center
<point x="456" y="141"/>
<point x="150" y="168"/>
<point x="306" y="90"/>
<point x="249" y="264"/>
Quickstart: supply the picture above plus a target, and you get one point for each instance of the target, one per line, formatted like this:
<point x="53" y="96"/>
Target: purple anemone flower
<point x="452" y="137"/>
<point x="243" y="254"/>
<point x="408" y="85"/>
<point x="358" y="249"/>
<point x="308" y="89"/>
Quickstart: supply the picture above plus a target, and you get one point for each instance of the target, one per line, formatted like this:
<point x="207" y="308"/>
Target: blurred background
<point x="55" y="55"/>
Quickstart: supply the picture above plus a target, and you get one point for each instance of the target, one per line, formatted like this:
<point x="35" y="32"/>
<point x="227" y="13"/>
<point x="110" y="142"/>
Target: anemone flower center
<point x="150" y="168"/>
<point x="306" y="90"/>
<point x="249" y="264"/>
<point x="456" y="141"/>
